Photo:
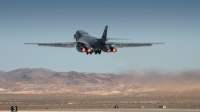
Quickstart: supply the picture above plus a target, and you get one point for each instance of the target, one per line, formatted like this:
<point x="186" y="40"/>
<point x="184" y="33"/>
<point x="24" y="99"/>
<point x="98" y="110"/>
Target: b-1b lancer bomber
<point x="89" y="44"/>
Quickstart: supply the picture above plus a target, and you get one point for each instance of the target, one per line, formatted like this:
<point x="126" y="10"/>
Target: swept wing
<point x="120" y="44"/>
<point x="65" y="44"/>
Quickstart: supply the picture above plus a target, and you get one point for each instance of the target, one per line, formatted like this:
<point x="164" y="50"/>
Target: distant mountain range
<point x="41" y="80"/>
<point x="46" y="76"/>
<point x="45" y="80"/>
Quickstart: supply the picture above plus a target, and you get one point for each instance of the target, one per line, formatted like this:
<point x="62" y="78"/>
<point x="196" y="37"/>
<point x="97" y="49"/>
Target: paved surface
<point x="110" y="110"/>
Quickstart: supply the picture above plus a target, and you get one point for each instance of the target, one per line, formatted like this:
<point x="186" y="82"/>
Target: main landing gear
<point x="89" y="53"/>
<point x="96" y="52"/>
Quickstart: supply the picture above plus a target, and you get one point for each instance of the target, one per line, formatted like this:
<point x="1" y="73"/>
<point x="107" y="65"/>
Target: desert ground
<point x="87" y="101"/>
<point x="31" y="89"/>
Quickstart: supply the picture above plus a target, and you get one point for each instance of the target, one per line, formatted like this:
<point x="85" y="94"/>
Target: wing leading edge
<point x="120" y="45"/>
<point x="67" y="44"/>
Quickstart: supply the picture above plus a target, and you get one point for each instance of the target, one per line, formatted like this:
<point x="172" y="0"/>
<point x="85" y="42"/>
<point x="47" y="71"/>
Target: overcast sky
<point x="174" y="22"/>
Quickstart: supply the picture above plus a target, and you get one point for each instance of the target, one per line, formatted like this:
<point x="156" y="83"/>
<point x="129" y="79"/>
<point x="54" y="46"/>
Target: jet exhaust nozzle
<point x="114" y="49"/>
<point x="80" y="48"/>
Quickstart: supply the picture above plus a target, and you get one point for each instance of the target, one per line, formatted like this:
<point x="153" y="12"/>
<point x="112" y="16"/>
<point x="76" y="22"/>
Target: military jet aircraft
<point x="89" y="44"/>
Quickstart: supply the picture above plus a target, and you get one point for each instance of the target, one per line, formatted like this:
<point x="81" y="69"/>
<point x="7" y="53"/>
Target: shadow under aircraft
<point x="88" y="44"/>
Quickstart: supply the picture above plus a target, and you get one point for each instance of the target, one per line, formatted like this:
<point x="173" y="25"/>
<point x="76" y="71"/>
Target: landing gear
<point x="98" y="52"/>
<point x="89" y="53"/>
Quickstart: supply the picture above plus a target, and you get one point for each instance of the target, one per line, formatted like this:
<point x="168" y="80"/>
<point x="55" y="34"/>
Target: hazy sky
<point x="174" y="22"/>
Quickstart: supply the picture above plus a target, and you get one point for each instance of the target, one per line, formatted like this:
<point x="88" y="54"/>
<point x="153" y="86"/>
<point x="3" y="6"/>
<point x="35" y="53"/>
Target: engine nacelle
<point x="89" y="50"/>
<point x="113" y="49"/>
<point x="80" y="48"/>
<point x="106" y="48"/>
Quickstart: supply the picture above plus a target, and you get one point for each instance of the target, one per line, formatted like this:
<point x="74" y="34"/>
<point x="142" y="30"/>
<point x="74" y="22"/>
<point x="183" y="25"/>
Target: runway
<point x="109" y="110"/>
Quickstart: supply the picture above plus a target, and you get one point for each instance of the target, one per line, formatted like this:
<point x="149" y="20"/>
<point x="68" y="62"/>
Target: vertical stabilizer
<point x="104" y="36"/>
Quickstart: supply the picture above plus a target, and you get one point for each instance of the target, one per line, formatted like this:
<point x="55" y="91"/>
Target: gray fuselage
<point x="89" y="41"/>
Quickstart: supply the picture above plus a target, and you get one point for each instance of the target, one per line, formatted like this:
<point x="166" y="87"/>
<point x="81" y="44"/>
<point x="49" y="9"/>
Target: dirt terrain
<point x="83" y="101"/>
<point x="46" y="89"/>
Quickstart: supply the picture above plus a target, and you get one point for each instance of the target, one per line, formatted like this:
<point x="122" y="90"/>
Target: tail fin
<point x="104" y="36"/>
